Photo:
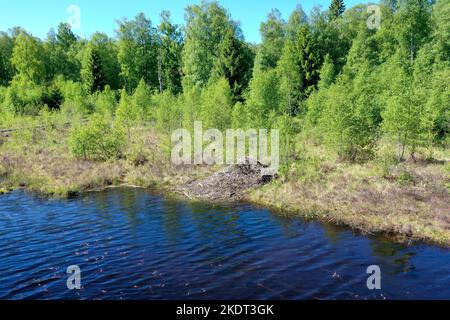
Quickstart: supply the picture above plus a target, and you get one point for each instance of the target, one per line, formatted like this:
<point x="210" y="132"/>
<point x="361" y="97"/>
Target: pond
<point x="132" y="244"/>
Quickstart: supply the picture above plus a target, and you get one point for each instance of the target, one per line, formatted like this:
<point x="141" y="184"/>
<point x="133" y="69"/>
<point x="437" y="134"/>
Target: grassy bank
<point x="40" y="160"/>
<point x="410" y="199"/>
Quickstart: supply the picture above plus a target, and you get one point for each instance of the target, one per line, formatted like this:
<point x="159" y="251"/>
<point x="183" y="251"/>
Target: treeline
<point x="326" y="72"/>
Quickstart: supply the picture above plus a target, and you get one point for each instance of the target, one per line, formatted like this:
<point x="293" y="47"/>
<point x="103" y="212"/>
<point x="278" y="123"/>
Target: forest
<point x="364" y="113"/>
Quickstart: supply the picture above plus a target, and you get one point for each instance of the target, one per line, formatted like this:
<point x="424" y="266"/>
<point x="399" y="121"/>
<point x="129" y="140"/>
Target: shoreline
<point x="409" y="200"/>
<point x="365" y="225"/>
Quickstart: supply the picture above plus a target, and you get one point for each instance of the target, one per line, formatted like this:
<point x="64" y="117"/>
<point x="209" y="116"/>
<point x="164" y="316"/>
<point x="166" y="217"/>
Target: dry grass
<point x="410" y="200"/>
<point x="40" y="161"/>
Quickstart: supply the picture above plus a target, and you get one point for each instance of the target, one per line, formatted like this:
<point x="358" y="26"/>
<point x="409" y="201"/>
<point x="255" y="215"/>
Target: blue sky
<point x="101" y="15"/>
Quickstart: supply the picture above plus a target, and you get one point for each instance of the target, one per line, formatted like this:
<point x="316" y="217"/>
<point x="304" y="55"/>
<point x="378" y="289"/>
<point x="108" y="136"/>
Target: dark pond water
<point x="130" y="244"/>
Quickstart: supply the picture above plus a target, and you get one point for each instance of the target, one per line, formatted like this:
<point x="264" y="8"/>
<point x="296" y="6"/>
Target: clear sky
<point x="38" y="16"/>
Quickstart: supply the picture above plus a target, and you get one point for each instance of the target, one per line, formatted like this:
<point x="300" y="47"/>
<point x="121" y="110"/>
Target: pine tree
<point x="98" y="75"/>
<point x="141" y="99"/>
<point x="127" y="114"/>
<point x="169" y="55"/>
<point x="298" y="69"/>
<point x="6" y="49"/>
<point x="65" y="37"/>
<point x="337" y="8"/>
<point x="231" y="63"/>
<point x="92" y="72"/>
<point x="327" y="73"/>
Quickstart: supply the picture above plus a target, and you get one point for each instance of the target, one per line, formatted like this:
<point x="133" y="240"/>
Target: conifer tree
<point x="337" y="8"/>
<point x="92" y="72"/>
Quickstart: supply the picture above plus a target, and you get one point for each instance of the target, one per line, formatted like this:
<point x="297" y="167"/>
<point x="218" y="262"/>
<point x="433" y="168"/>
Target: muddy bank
<point x="354" y="196"/>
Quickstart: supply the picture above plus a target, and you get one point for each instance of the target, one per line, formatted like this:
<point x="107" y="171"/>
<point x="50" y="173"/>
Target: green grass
<point x="410" y="200"/>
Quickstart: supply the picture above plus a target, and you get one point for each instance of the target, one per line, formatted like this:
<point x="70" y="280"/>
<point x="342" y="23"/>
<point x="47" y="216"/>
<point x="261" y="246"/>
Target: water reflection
<point x="132" y="244"/>
<point x="397" y="255"/>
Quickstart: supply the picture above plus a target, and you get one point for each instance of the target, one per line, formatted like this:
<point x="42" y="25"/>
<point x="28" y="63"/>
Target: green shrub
<point x="141" y="100"/>
<point x="137" y="156"/>
<point x="75" y="99"/>
<point x="98" y="140"/>
<point x="127" y="115"/>
<point x="105" y="102"/>
<point x="216" y="105"/>
<point x="23" y="98"/>
<point x="52" y="97"/>
<point x="405" y="178"/>
<point x="168" y="113"/>
<point x="2" y="94"/>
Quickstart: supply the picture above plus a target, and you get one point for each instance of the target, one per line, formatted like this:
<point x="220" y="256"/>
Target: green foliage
<point x="28" y="58"/>
<point x="351" y="118"/>
<point x="169" y="56"/>
<point x="413" y="26"/>
<point x="233" y="63"/>
<point x="168" y="113"/>
<point x="441" y="34"/>
<point x="23" y="97"/>
<point x="336" y="9"/>
<point x="105" y="102"/>
<point x="97" y="140"/>
<point x="127" y="114"/>
<point x="141" y="100"/>
<point x="52" y="97"/>
<point x="207" y="24"/>
<point x="138" y="52"/>
<point x="327" y="72"/>
<point x="263" y="98"/>
<point x="65" y="37"/>
<point x="190" y="106"/>
<point x="106" y="50"/>
<point x="273" y="33"/>
<point x="61" y="54"/>
<point x="216" y="104"/>
<point x="297" y="19"/>
<point x="298" y="69"/>
<point x="76" y="100"/>
<point x="92" y="73"/>
<point x="6" y="49"/>
<point x="404" y="111"/>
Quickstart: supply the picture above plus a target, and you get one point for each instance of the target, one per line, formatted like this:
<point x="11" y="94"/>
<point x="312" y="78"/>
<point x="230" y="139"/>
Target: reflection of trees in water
<point x="128" y="202"/>
<point x="333" y="233"/>
<point x="101" y="202"/>
<point x="207" y="221"/>
<point x="172" y="219"/>
<point x="293" y="226"/>
<point x="121" y="201"/>
<point x="393" y="254"/>
<point x="211" y="220"/>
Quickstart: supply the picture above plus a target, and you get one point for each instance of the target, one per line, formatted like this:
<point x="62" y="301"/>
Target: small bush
<point x="137" y="156"/>
<point x="98" y="140"/>
<point x="23" y="98"/>
<point x="405" y="178"/>
<point x="52" y="97"/>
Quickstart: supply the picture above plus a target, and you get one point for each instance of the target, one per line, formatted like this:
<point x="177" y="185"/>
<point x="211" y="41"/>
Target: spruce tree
<point x="98" y="76"/>
<point x="336" y="9"/>
<point x="298" y="69"/>
<point x="230" y="63"/>
<point x="92" y="72"/>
